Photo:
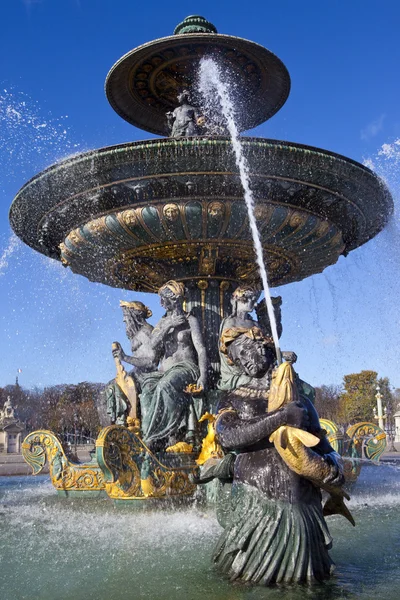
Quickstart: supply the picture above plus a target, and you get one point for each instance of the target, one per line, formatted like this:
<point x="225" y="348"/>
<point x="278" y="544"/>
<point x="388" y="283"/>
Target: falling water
<point x="7" y="252"/>
<point x="29" y="139"/>
<point x="211" y="83"/>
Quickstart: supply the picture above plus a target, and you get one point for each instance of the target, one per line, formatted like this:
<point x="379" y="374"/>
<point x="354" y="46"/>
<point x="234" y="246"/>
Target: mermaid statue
<point x="275" y="531"/>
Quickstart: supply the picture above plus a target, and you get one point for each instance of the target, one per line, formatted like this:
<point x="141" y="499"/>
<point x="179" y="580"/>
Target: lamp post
<point x="379" y="413"/>
<point x="75" y="424"/>
<point x="390" y="428"/>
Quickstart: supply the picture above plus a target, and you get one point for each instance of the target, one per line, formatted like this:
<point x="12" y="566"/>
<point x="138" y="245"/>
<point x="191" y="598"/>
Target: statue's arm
<point x="198" y="343"/>
<point x="163" y="328"/>
<point x="140" y="362"/>
<point x="235" y="433"/>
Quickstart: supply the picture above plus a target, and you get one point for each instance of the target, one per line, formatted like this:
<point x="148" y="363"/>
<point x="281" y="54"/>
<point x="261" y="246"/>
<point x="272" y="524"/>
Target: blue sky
<point x="344" y="61"/>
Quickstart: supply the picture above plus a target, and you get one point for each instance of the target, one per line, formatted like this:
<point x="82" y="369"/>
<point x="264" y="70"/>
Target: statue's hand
<point x="176" y="321"/>
<point x="202" y="382"/>
<point x="289" y="357"/>
<point x="336" y="476"/>
<point x="118" y="352"/>
<point x="296" y="415"/>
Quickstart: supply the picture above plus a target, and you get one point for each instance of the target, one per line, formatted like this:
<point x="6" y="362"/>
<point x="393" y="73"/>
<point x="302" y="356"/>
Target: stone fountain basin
<point x="138" y="214"/>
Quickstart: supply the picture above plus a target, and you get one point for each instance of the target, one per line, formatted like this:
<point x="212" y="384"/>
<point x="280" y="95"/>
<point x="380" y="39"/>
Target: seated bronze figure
<point x="176" y="347"/>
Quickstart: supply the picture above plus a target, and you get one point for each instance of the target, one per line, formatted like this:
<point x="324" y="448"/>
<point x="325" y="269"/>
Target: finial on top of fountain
<point x="195" y="24"/>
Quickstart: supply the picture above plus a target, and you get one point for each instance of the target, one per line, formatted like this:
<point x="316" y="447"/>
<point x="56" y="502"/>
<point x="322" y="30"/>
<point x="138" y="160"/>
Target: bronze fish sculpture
<point x="294" y="445"/>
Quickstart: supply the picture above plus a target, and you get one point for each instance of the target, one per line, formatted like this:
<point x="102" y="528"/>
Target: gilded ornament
<point x="368" y="440"/>
<point x="337" y="240"/>
<point x="66" y="476"/>
<point x="138" y="306"/>
<point x="216" y="210"/>
<point x="74" y="237"/>
<point x="297" y="219"/>
<point x="193" y="389"/>
<point x="180" y="448"/>
<point x="210" y="448"/>
<point x="243" y="271"/>
<point x="132" y="472"/>
<point x="129" y="217"/>
<point x="208" y="259"/>
<point x="334" y="436"/>
<point x="322" y="228"/>
<point x="171" y="212"/>
<point x="96" y="226"/>
<point x="262" y="212"/>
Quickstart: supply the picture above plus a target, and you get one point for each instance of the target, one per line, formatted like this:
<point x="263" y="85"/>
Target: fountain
<point x="168" y="214"/>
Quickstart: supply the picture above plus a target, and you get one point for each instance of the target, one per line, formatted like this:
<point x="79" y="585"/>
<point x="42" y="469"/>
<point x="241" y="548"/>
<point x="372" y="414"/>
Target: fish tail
<point x="305" y="437"/>
<point x="336" y="506"/>
<point x="279" y="437"/>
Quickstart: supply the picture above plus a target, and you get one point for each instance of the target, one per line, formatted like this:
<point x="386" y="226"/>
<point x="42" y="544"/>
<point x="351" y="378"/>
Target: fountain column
<point x="209" y="301"/>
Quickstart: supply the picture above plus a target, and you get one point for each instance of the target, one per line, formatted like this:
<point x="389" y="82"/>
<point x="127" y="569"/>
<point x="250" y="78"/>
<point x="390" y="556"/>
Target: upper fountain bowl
<point x="143" y="85"/>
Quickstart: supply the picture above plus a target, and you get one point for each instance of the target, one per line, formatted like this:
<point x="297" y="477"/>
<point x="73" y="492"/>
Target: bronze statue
<point x="176" y="346"/>
<point x="165" y="404"/>
<point x="243" y="301"/>
<point x="276" y="531"/>
<point x="138" y="332"/>
<point x="185" y="120"/>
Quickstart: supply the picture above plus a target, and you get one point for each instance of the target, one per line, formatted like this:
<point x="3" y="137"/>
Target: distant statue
<point x="8" y="410"/>
<point x="185" y="120"/>
<point x="244" y="301"/>
<point x="176" y="345"/>
<point x="138" y="332"/>
<point x="275" y="531"/>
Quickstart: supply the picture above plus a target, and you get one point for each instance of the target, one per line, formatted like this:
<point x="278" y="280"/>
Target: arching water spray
<point x="5" y="255"/>
<point x="211" y="84"/>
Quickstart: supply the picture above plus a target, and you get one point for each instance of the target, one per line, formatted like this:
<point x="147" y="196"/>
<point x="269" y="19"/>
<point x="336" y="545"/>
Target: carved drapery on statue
<point x="165" y="406"/>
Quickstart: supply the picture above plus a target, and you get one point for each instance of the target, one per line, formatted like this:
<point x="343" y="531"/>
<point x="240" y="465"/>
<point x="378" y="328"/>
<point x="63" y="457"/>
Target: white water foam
<point x="211" y="84"/>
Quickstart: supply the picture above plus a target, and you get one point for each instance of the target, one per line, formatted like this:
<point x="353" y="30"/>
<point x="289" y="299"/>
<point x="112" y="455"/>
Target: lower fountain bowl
<point x="138" y="214"/>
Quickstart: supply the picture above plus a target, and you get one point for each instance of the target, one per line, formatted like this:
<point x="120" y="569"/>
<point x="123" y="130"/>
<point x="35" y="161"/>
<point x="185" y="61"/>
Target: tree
<point x="60" y="408"/>
<point x="358" y="400"/>
<point x="327" y="402"/>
